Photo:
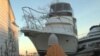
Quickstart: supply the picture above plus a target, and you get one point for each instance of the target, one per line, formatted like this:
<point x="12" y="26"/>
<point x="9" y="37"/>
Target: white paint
<point x="53" y="39"/>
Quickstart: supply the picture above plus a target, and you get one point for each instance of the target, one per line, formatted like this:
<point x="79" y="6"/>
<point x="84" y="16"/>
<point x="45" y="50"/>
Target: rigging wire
<point x="32" y="20"/>
<point x="33" y="10"/>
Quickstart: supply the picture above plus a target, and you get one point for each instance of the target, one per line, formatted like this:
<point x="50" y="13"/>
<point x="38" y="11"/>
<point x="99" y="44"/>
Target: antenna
<point x="57" y="0"/>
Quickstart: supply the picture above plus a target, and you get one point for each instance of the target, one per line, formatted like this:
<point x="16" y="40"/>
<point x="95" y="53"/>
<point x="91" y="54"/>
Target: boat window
<point x="96" y="44"/>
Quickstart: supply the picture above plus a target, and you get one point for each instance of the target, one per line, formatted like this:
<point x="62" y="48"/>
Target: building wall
<point x="6" y="15"/>
<point x="3" y="24"/>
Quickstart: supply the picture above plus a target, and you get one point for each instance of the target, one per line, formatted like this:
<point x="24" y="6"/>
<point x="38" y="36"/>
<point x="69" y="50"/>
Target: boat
<point x="90" y="44"/>
<point x="62" y="23"/>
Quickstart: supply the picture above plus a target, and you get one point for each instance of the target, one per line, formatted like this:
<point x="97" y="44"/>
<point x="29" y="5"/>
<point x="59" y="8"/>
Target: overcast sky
<point x="87" y="12"/>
